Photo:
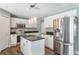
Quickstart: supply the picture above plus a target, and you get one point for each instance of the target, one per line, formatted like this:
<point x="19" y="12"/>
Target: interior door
<point x="4" y="32"/>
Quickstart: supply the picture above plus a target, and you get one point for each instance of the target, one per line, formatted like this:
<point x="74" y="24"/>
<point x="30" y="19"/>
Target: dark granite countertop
<point x="31" y="31"/>
<point x="32" y="37"/>
<point x="50" y="33"/>
<point x="12" y="32"/>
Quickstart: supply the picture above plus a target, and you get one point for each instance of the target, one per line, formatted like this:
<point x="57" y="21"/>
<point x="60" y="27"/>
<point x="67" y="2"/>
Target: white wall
<point x="49" y="19"/>
<point x="67" y="13"/>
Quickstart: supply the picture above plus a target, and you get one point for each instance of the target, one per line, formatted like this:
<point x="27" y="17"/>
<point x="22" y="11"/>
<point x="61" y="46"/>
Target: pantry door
<point x="4" y="32"/>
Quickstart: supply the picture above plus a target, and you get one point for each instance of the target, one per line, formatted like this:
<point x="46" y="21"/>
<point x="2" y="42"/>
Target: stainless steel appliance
<point x="20" y="31"/>
<point x="64" y="34"/>
<point x="20" y="25"/>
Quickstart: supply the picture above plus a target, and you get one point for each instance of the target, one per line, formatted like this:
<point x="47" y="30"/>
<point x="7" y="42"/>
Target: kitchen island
<point x="32" y="45"/>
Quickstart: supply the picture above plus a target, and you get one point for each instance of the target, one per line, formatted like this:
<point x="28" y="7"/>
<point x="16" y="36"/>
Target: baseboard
<point x="4" y="49"/>
<point x="22" y="53"/>
<point x="49" y="48"/>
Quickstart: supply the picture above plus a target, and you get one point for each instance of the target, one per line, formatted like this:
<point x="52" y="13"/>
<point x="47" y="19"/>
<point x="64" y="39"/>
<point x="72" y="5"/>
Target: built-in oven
<point x="20" y="31"/>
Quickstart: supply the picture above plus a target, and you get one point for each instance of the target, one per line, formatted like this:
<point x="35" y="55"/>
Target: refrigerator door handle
<point x="69" y="44"/>
<point x="77" y="52"/>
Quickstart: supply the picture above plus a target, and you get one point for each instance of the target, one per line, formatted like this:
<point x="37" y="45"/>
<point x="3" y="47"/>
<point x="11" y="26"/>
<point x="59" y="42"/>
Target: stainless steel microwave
<point x="20" y="25"/>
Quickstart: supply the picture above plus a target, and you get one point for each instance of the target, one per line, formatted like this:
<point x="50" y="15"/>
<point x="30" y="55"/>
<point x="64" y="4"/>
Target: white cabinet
<point x="48" y="22"/>
<point x="4" y="31"/>
<point x="29" y="24"/>
<point x="27" y="47"/>
<point x="13" y="24"/>
<point x="15" y="21"/>
<point x="32" y="47"/>
<point x="38" y="47"/>
<point x="24" y="44"/>
<point x="49" y="42"/>
<point x="32" y="22"/>
<point x="13" y="40"/>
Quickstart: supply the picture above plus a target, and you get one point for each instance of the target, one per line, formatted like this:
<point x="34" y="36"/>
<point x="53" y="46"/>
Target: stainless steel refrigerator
<point x="64" y="35"/>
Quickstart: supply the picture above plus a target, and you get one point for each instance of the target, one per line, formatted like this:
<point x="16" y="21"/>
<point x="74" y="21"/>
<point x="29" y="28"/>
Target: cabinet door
<point x="13" y="23"/>
<point x="13" y="39"/>
<point x="27" y="23"/>
<point x="57" y="23"/>
<point x="21" y="45"/>
<point x="4" y="32"/>
<point x="38" y="47"/>
<point x="46" y="40"/>
<point x="48" y="22"/>
<point x="49" y="41"/>
<point x="26" y="47"/>
<point x="32" y="23"/>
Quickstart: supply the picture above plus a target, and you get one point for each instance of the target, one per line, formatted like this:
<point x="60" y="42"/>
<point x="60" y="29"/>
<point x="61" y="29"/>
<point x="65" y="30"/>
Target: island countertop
<point x="32" y="37"/>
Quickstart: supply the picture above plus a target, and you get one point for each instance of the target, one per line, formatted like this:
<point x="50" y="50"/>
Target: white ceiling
<point x="46" y="9"/>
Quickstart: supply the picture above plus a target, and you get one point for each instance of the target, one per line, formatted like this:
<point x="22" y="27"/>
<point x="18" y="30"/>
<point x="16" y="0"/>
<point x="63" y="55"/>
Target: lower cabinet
<point x="32" y="47"/>
<point x="13" y="41"/>
<point x="26" y="47"/>
<point x="49" y="42"/>
<point x="38" y="47"/>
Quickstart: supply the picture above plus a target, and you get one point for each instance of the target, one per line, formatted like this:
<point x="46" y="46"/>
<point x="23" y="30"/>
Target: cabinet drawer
<point x="13" y="39"/>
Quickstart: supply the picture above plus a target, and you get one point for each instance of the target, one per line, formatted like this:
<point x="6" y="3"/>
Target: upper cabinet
<point x="48" y="22"/>
<point x="15" y="21"/>
<point x="32" y="22"/>
<point x="29" y="23"/>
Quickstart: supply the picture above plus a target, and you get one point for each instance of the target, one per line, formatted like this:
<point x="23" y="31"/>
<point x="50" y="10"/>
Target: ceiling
<point x="46" y="9"/>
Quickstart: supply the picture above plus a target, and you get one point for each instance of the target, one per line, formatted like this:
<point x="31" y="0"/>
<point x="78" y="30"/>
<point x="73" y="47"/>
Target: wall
<point x="48" y="21"/>
<point x="4" y="13"/>
<point x="67" y="13"/>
